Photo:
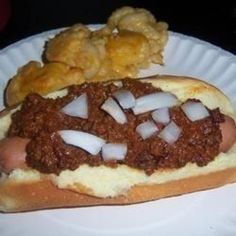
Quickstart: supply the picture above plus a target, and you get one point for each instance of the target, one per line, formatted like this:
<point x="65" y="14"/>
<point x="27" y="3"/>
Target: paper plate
<point x="211" y="212"/>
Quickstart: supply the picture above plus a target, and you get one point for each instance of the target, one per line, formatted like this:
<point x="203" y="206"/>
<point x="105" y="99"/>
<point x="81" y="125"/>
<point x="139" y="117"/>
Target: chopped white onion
<point x="170" y="133"/>
<point x="78" y="107"/>
<point x="125" y="98"/>
<point x="114" y="110"/>
<point x="146" y="129"/>
<point x="114" y="151"/>
<point x="118" y="84"/>
<point x="154" y="101"/>
<point x="195" y="110"/>
<point x="86" y="141"/>
<point x="161" y="115"/>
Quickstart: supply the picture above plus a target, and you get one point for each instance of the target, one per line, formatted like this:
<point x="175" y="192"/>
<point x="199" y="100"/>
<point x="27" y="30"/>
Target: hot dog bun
<point x="25" y="190"/>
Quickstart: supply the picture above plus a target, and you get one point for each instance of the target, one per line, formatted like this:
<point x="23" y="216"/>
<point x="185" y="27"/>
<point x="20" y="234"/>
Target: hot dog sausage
<point x="12" y="150"/>
<point x="228" y="130"/>
<point x="12" y="153"/>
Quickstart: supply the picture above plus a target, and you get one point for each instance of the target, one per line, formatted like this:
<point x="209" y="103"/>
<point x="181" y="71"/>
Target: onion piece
<point x="114" y="151"/>
<point x="154" y="101"/>
<point x="86" y="141"/>
<point x="78" y="107"/>
<point x="170" y="133"/>
<point x="118" y="84"/>
<point x="146" y="129"/>
<point x="125" y="98"/>
<point x="114" y="110"/>
<point x="195" y="110"/>
<point x="161" y="115"/>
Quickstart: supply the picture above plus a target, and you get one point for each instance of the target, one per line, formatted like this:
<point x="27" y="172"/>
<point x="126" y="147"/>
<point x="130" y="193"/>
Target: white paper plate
<point x="203" y="213"/>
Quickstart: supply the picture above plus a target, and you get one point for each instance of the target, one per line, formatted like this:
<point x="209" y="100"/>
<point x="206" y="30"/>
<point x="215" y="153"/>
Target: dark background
<point x="215" y="22"/>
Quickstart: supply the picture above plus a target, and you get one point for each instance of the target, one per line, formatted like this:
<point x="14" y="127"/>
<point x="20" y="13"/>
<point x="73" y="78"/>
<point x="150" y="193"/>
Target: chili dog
<point x="151" y="151"/>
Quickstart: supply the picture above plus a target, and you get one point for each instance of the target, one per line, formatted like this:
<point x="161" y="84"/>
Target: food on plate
<point x="76" y="48"/>
<point x="43" y="79"/>
<point x="127" y="52"/>
<point x="131" y="40"/>
<point x="116" y="142"/>
<point x="142" y="21"/>
<point x="100" y="55"/>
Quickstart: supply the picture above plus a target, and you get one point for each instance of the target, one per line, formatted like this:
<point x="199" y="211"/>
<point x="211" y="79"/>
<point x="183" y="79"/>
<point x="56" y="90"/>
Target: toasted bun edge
<point x="19" y="197"/>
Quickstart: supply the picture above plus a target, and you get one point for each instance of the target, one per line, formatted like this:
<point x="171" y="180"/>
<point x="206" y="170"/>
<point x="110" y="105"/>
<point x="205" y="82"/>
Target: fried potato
<point x="131" y="40"/>
<point x="101" y="56"/>
<point x="139" y="41"/>
<point x="142" y="21"/>
<point x="128" y="51"/>
<point x="74" y="48"/>
<point x="42" y="79"/>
